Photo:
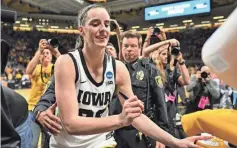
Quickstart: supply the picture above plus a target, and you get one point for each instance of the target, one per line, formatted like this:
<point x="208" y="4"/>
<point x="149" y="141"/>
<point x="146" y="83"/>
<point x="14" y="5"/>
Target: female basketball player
<point x="85" y="82"/>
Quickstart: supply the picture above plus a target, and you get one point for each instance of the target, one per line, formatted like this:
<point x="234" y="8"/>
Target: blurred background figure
<point x="40" y="69"/>
<point x="204" y="91"/>
<point x="111" y="50"/>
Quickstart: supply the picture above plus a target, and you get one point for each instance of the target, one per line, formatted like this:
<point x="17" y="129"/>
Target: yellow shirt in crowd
<point x="39" y="79"/>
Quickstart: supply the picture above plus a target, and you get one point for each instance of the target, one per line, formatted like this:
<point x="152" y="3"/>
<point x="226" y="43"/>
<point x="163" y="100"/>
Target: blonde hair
<point x="158" y="62"/>
<point x="159" y="65"/>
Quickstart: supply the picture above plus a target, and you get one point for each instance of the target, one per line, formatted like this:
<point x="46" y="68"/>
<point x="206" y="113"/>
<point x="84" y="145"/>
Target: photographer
<point x="40" y="70"/>
<point x="204" y="91"/>
<point x="167" y="57"/>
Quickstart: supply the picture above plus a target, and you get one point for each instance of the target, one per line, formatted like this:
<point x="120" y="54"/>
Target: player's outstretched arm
<point x="142" y="122"/>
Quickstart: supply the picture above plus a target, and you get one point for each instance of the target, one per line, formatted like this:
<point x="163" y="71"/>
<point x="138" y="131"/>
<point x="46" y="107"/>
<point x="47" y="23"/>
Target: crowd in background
<point x="24" y="45"/>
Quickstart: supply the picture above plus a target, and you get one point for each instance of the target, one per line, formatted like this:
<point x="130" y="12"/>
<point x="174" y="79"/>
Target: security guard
<point x="147" y="86"/>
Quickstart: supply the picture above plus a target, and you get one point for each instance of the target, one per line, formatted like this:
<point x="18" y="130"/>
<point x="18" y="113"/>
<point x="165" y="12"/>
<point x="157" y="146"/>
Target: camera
<point x="154" y="39"/>
<point x="156" y="31"/>
<point x="53" y="42"/>
<point x="204" y="75"/>
<point x="175" y="51"/>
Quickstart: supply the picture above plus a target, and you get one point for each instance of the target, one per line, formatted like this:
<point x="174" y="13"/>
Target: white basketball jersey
<point x="93" y="99"/>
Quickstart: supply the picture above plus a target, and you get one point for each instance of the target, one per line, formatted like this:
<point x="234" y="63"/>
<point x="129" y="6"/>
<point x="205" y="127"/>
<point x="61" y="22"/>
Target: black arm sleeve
<point x="47" y="99"/>
<point x="158" y="97"/>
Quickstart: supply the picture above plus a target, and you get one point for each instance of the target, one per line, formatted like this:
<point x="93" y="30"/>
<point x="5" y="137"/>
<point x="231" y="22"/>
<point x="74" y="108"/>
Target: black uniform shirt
<point x="147" y="84"/>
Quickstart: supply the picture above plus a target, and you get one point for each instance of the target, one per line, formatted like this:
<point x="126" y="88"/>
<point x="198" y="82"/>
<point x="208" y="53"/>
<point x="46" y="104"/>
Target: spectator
<point x="204" y="91"/>
<point x="40" y="75"/>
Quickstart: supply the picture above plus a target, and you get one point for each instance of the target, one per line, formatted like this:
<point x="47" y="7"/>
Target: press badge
<point x="203" y="102"/>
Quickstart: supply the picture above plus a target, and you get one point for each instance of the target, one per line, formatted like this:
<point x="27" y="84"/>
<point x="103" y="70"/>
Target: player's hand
<point x="48" y="120"/>
<point x="159" y="145"/>
<point x="132" y="108"/>
<point x="43" y="44"/>
<point x="189" y="142"/>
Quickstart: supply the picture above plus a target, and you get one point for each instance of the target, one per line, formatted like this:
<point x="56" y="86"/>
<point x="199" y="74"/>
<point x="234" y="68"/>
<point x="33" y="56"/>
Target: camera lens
<point x="53" y="42"/>
<point x="204" y="75"/>
<point x="175" y="51"/>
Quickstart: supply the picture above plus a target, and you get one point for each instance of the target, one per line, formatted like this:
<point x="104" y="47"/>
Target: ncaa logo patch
<point x="109" y="75"/>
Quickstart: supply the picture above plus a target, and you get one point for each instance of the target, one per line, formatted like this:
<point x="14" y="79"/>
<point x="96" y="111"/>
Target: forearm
<point x="33" y="63"/>
<point x="118" y="34"/>
<point x="185" y="74"/>
<point x="44" y="104"/>
<point x="146" y="51"/>
<point x="146" y="43"/>
<point x="120" y="55"/>
<point x="92" y="125"/>
<point x="147" y="127"/>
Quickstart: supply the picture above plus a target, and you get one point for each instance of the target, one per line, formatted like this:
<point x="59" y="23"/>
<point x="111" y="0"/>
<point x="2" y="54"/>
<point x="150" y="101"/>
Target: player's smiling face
<point x="97" y="27"/>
